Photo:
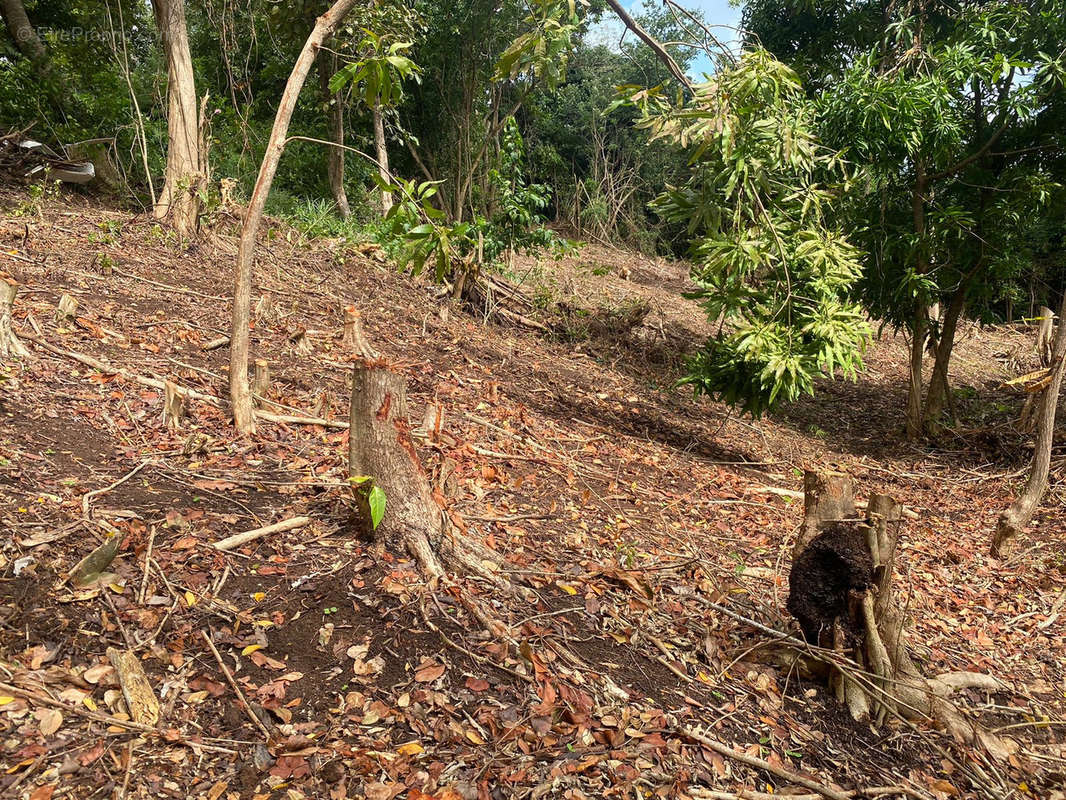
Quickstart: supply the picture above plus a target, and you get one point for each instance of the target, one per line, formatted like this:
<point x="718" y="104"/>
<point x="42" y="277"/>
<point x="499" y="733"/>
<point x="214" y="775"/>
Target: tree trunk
<point x="1014" y="519"/>
<point x="24" y="34"/>
<point x="240" y="394"/>
<point x="380" y="446"/>
<point x="186" y="171"/>
<point x="335" y="124"/>
<point x="381" y="151"/>
<point x="9" y="342"/>
<point x="1043" y="336"/>
<point x="920" y="326"/>
<point x="841" y="591"/>
<point x="939" y="395"/>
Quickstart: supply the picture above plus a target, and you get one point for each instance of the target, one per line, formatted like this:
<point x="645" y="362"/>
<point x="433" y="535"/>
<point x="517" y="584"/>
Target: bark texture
<point x="25" y="35"/>
<point x="382" y="154"/>
<point x="240" y="392"/>
<point x="9" y="342"/>
<point x="1014" y="519"/>
<point x="335" y="124"/>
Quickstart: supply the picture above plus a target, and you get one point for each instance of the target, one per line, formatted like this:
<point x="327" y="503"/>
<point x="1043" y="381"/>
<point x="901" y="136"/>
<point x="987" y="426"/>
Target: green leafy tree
<point x="772" y="270"/>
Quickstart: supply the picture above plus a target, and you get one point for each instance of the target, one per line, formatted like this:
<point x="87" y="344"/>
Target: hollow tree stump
<point x="841" y="590"/>
<point x="9" y="342"/>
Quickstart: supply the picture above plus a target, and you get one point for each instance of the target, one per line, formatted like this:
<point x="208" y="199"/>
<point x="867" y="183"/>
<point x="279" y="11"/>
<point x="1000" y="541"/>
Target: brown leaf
<point x="945" y="787"/>
<point x="428" y="671"/>
<point x="476" y="684"/>
<point x="43" y="792"/>
<point x="49" y="720"/>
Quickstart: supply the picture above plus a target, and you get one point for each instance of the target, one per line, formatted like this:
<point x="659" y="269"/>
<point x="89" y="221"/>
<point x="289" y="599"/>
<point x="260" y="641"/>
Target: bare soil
<point x="621" y="501"/>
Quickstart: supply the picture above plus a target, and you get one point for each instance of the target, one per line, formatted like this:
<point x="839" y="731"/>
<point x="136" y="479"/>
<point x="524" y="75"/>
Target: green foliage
<point x="372" y="495"/>
<point x="377" y="78"/>
<point x="771" y="268"/>
<point x="543" y="50"/>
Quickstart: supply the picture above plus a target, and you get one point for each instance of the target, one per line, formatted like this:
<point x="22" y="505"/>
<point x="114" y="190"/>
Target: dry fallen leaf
<point x="49" y="720"/>
<point x="428" y="671"/>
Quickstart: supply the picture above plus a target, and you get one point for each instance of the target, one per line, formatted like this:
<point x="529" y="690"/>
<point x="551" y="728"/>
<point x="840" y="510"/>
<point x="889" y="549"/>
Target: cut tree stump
<point x="380" y="446"/>
<point x="841" y="590"/>
<point x="9" y="342"/>
<point x="173" y="405"/>
<point x="826" y="496"/>
<point x="261" y="381"/>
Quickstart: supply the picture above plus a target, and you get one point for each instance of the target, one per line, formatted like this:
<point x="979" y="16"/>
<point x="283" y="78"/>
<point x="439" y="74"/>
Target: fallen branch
<point x="759" y="763"/>
<point x="258" y="533"/>
<point x="155" y="383"/>
<point x="229" y="677"/>
<point x="105" y="719"/>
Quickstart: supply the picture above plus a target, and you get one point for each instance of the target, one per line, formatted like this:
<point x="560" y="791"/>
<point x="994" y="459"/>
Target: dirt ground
<point x="623" y="503"/>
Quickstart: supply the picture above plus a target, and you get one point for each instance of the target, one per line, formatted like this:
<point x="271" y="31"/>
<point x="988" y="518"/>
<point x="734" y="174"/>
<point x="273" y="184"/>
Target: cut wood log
<point x="9" y="342"/>
<point x="239" y="539"/>
<point x="214" y="344"/>
<point x="136" y="690"/>
<point x="261" y="381"/>
<point x="266" y="309"/>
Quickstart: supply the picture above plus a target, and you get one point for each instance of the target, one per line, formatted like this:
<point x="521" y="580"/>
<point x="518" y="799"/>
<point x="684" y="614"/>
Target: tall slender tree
<point x="187" y="167"/>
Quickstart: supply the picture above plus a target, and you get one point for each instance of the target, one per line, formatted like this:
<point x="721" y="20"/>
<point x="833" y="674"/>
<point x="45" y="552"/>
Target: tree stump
<point x="9" y="342"/>
<point x="380" y="446"/>
<point x="260" y="381"/>
<point x="842" y="593"/>
<point x="173" y="405"/>
<point x="67" y="308"/>
<point x="826" y="496"/>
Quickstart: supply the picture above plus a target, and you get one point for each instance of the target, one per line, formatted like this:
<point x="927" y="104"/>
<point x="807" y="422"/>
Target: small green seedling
<point x="372" y="494"/>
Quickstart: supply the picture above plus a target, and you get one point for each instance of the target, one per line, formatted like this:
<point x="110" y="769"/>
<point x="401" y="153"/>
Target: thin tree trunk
<point x="920" y="326"/>
<point x="25" y="35"/>
<point x="335" y="125"/>
<point x="1043" y="336"/>
<point x="939" y="389"/>
<point x="382" y="153"/>
<point x="240" y="393"/>
<point x="1015" y="518"/>
<point x="186" y="170"/>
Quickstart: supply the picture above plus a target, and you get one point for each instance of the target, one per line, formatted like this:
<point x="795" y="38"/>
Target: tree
<point x="1014" y="519"/>
<point x="334" y="101"/>
<point x="187" y="167"/>
<point x="25" y="35"/>
<point x="772" y="270"/>
<point x="927" y="104"/>
<point x="376" y="78"/>
<point x="240" y="392"/>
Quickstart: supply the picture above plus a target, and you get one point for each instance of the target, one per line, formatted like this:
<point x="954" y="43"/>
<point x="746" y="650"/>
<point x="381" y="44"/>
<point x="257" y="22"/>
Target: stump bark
<point x="843" y="595"/>
<point x="380" y="446"/>
<point x="9" y="342"/>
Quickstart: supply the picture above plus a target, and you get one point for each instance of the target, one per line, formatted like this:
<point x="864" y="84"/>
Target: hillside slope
<point x="626" y="505"/>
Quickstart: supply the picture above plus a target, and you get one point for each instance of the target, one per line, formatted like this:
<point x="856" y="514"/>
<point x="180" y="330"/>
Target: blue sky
<point x="715" y="12"/>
